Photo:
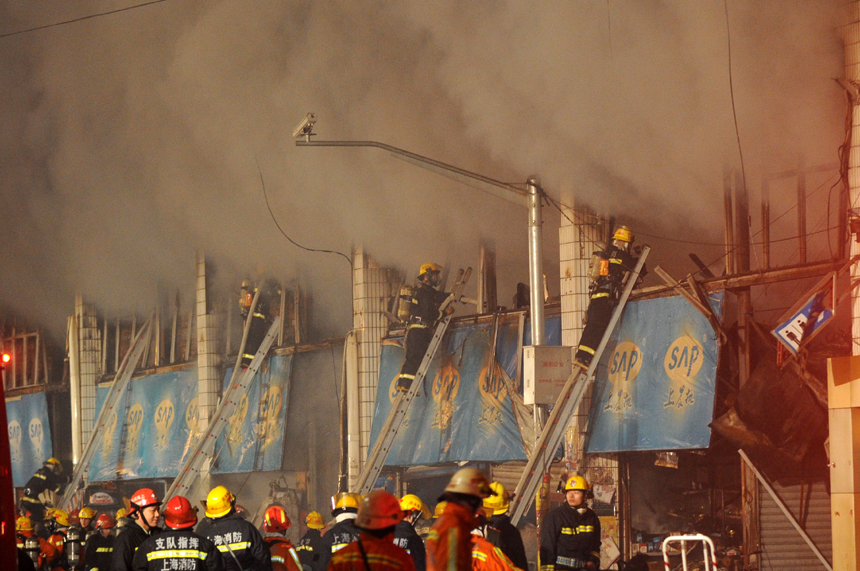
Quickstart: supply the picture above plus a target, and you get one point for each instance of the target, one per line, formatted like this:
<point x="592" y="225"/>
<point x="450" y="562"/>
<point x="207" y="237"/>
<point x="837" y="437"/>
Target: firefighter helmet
<point x="470" y="481"/>
<point x="412" y="503"/>
<point x="73" y="516"/>
<point x="379" y="510"/>
<point x="60" y="516"/>
<point x="219" y="502"/>
<point x="23" y="523"/>
<point x="121" y="513"/>
<point x="54" y="464"/>
<point x="105" y="521"/>
<point x="500" y="502"/>
<point x="345" y="501"/>
<point x="623" y="234"/>
<point x="87" y="513"/>
<point x="276" y="520"/>
<point x="576" y="482"/>
<point x="178" y="513"/>
<point x="143" y="498"/>
<point x="314" y="520"/>
<point x="440" y="507"/>
<point x="427" y="268"/>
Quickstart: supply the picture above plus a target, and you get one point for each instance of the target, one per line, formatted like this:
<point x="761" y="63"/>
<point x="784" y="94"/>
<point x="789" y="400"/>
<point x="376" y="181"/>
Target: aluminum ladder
<point x="376" y="459"/>
<point x="566" y="404"/>
<point x="115" y="396"/>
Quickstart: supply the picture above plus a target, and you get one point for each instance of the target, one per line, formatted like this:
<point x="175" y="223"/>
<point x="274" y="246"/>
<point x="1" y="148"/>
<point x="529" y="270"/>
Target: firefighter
<point x="57" y="524"/>
<point x="449" y="543"/>
<point x="85" y="519"/>
<point x="262" y="316"/>
<point x="570" y="534"/>
<point x="405" y="535"/>
<point x="239" y="542"/>
<point x="609" y="269"/>
<point x="24" y="530"/>
<point x="144" y="512"/>
<point x="178" y="547"/>
<point x="97" y="556"/>
<point x="343" y="531"/>
<point x="122" y="520"/>
<point x="511" y="542"/>
<point x="374" y="549"/>
<point x="284" y="556"/>
<point x="308" y="547"/>
<point x="47" y="480"/>
<point x="425" y="303"/>
<point x="488" y="557"/>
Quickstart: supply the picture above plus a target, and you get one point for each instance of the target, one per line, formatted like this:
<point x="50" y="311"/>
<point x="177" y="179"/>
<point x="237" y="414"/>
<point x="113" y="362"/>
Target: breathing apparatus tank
<point x="404" y="303"/>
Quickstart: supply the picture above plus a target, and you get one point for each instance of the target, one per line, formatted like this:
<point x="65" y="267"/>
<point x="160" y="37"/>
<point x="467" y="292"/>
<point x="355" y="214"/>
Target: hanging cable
<point x="91" y="16"/>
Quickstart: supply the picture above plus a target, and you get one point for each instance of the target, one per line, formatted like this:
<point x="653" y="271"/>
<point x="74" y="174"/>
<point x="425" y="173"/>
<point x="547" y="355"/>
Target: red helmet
<point x="74" y="517"/>
<point x="143" y="498"/>
<point x="178" y="514"/>
<point x="276" y="520"/>
<point x="105" y="521"/>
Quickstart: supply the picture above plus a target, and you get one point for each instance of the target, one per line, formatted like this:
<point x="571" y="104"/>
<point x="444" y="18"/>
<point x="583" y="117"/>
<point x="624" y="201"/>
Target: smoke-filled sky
<point x="131" y="140"/>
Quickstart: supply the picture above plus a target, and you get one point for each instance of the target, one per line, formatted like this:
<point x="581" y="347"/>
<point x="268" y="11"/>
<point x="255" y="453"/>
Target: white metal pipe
<point x="535" y="261"/>
<point x="353" y="429"/>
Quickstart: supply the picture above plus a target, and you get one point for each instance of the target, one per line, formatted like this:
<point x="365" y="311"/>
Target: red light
<point x="6" y="357"/>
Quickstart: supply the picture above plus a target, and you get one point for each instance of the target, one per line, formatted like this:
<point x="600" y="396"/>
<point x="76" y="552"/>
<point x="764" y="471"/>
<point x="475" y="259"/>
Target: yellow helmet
<point x="623" y="233"/>
<point x="576" y="482"/>
<point x="470" y="481"/>
<point x="427" y="268"/>
<point x="345" y="501"/>
<point x="60" y="516"/>
<point x="412" y="503"/>
<point x="440" y="507"/>
<point x="500" y="502"/>
<point x="219" y="502"/>
<point x="121" y="512"/>
<point x="23" y="523"/>
<point x="87" y="513"/>
<point x="314" y="520"/>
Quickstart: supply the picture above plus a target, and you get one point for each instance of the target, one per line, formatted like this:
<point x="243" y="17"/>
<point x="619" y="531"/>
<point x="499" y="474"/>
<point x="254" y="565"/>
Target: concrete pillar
<point x="370" y="291"/>
<point x="851" y="39"/>
<point x="843" y="395"/>
<point x="208" y="362"/>
<point x="90" y="348"/>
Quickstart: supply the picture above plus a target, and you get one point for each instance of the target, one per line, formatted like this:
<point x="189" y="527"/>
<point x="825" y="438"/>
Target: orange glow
<point x="6" y="357"/>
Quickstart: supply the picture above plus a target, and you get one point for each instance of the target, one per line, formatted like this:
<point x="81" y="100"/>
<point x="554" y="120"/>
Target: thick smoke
<point x="131" y="140"/>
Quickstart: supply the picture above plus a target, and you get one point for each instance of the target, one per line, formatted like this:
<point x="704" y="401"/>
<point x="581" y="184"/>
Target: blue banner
<point x="467" y="415"/>
<point x="655" y="385"/>
<point x="254" y="437"/>
<point x="160" y="415"/>
<point x="29" y="435"/>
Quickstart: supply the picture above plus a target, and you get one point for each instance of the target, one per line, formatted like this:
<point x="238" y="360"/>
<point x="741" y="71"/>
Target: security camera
<point x="306" y="127"/>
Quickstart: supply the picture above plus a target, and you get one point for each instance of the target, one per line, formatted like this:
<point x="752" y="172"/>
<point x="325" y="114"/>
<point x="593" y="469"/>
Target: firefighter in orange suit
<point x="284" y="556"/>
<point x="570" y="534"/>
<point x="488" y="557"/>
<point x="374" y="550"/>
<point x="449" y="545"/>
<point x="424" y="314"/>
<point x="24" y="528"/>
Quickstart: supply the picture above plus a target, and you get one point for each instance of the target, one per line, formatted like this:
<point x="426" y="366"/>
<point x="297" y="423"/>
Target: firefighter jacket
<point x="488" y="557"/>
<point x="511" y="540"/>
<point x="373" y="554"/>
<point x="425" y="306"/>
<point x="614" y="263"/>
<point x="127" y="542"/>
<point x="179" y="550"/>
<point x="98" y="553"/>
<point x="308" y="547"/>
<point x="58" y="540"/>
<point x="407" y="538"/>
<point x="569" y="539"/>
<point x="449" y="544"/>
<point x="339" y="536"/>
<point x="43" y="479"/>
<point x="239" y="542"/>
<point x="284" y="556"/>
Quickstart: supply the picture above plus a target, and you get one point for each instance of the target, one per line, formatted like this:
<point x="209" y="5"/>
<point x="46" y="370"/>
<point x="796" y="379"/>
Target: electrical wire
<point x="293" y="242"/>
<point x="72" y="21"/>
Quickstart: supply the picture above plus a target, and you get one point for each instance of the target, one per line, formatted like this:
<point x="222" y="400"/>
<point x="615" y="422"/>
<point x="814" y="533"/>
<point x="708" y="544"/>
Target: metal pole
<point x="535" y="262"/>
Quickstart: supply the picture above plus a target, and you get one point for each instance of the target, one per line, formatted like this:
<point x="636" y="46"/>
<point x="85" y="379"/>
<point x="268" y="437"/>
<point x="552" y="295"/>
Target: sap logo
<point x="684" y="359"/>
<point x="191" y="415"/>
<point x="164" y="415"/>
<point x="625" y="363"/>
<point x="36" y="432"/>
